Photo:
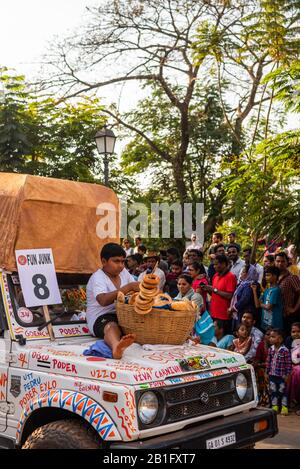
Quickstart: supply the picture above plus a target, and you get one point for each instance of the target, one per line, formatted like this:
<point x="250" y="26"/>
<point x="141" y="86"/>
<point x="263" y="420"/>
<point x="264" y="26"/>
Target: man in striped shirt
<point x="290" y="291"/>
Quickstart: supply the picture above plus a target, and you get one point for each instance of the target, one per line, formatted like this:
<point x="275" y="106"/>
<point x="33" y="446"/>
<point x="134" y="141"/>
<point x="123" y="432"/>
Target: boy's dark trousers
<point x="278" y="389"/>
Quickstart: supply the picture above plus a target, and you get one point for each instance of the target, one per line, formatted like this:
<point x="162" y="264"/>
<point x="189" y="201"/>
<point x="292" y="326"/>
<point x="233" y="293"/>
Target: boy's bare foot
<point x="124" y="342"/>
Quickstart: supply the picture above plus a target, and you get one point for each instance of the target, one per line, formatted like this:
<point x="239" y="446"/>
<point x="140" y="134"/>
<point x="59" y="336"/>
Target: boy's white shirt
<point x="99" y="283"/>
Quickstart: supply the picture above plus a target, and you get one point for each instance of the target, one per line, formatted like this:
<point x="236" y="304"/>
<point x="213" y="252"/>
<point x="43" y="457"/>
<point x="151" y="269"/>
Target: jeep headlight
<point x="241" y="385"/>
<point x="148" y="407"/>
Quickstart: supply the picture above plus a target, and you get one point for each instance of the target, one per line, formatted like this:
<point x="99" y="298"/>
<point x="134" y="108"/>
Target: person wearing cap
<point x="152" y="258"/>
<point x="232" y="240"/>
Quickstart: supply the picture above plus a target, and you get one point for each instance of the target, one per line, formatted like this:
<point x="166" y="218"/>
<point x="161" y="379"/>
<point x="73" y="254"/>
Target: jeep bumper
<point x="248" y="428"/>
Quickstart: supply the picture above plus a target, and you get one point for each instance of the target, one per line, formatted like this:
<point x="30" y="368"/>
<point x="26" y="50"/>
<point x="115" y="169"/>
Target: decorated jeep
<point x="54" y="396"/>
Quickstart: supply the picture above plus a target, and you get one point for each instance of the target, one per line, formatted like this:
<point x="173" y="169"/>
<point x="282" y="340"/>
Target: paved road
<point x="288" y="436"/>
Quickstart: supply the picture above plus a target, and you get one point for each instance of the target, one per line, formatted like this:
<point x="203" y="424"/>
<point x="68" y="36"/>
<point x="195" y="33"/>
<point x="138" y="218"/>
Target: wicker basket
<point x="160" y="326"/>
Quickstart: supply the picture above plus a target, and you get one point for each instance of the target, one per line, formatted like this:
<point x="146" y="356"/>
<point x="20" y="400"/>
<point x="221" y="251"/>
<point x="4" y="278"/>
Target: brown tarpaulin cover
<point x="38" y="212"/>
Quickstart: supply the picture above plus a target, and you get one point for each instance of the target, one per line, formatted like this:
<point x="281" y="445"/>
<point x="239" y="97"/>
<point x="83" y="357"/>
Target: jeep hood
<point x="139" y="364"/>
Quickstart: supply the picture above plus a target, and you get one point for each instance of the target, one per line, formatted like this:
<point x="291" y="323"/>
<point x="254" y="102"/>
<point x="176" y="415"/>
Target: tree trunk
<point x="237" y="146"/>
<point x="178" y="173"/>
<point x="254" y="247"/>
<point x="215" y="216"/>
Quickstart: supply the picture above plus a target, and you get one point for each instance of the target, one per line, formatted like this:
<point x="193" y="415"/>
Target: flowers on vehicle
<point x="74" y="299"/>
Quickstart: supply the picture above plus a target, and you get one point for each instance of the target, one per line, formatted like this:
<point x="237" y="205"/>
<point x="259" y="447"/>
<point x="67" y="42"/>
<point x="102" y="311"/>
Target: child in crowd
<point x="172" y="278"/>
<point x="142" y="252"/>
<point x="294" y="384"/>
<point x="279" y="367"/>
<point x="221" y="340"/>
<point x="185" y="259"/>
<point x="243" y="342"/>
<point x="259" y="364"/>
<point x="270" y="301"/>
<point x="133" y="264"/>
<point x="198" y="273"/>
<point x="295" y="335"/>
<point x="269" y="261"/>
<point x="248" y="319"/>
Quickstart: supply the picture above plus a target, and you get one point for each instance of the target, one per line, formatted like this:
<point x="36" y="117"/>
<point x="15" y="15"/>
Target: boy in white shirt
<point x="102" y="290"/>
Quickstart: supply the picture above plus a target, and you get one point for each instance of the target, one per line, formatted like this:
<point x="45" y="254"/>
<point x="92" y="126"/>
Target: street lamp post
<point x="105" y="141"/>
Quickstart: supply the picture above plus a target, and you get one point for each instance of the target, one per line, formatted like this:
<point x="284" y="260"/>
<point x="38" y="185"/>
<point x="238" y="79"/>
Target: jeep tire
<point x="63" y="434"/>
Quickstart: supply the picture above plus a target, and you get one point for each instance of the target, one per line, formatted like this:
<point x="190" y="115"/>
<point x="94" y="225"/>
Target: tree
<point x="210" y="140"/>
<point x="266" y="199"/>
<point x="170" y="46"/>
<point x="266" y="193"/>
<point x="49" y="139"/>
<point x="259" y="37"/>
<point x="286" y="84"/>
<point x="148" y="42"/>
<point x="15" y="122"/>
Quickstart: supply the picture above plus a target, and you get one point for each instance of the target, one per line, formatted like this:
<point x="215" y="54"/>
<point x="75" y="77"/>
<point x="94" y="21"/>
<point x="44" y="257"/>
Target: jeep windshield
<point x="72" y="310"/>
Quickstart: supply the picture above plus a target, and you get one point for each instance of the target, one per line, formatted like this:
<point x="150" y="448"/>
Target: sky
<point x="27" y="26"/>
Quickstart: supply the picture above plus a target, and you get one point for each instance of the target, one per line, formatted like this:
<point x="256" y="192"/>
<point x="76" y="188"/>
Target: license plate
<point x="221" y="441"/>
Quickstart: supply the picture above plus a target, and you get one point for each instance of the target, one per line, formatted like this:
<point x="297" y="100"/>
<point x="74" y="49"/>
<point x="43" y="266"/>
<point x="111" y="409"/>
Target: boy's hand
<point x="253" y="286"/>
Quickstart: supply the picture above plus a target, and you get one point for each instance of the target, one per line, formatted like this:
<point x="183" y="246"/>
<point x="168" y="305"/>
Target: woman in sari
<point x="243" y="299"/>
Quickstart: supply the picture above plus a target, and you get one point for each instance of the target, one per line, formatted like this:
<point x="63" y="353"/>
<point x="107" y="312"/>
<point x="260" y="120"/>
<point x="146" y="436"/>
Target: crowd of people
<point x="244" y="306"/>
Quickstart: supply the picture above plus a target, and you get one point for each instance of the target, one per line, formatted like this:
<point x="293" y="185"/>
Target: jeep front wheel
<point x="63" y="434"/>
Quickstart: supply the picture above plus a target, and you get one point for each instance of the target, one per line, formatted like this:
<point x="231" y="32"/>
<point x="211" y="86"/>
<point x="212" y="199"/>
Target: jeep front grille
<point x="195" y="399"/>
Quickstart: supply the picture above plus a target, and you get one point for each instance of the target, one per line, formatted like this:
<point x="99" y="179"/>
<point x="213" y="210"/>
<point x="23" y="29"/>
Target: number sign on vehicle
<point x="37" y="277"/>
<point x="221" y="441"/>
